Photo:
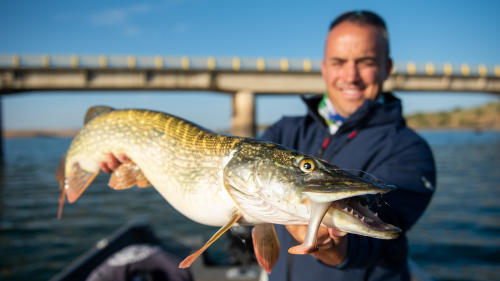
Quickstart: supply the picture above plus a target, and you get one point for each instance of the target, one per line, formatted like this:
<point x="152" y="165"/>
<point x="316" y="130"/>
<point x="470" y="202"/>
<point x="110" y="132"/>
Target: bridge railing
<point x="229" y="64"/>
<point x="160" y="62"/>
<point x="446" y="69"/>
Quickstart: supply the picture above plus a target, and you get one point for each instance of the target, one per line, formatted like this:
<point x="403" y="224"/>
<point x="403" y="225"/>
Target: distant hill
<point x="485" y="117"/>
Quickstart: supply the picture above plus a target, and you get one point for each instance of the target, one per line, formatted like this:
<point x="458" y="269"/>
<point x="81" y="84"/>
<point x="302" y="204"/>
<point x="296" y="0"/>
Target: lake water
<point x="458" y="237"/>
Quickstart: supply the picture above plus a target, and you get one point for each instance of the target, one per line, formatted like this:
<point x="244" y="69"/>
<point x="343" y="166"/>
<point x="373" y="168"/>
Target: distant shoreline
<point x="24" y="134"/>
<point x="480" y="118"/>
<point x="12" y="134"/>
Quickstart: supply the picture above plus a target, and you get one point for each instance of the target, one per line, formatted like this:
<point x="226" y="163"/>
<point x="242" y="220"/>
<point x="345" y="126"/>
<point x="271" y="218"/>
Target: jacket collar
<point x="370" y="113"/>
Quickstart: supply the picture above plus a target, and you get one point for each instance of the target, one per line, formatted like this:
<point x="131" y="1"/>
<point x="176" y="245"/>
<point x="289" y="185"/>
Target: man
<point x="357" y="127"/>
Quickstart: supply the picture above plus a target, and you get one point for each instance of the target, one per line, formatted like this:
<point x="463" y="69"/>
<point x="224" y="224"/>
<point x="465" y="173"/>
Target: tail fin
<point x="60" y="179"/>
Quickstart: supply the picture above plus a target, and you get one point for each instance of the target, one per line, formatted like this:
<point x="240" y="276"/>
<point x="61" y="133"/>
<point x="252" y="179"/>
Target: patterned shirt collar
<point x="332" y="119"/>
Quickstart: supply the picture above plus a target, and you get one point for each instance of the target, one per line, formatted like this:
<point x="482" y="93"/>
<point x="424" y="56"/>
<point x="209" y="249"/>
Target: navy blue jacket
<point x="374" y="139"/>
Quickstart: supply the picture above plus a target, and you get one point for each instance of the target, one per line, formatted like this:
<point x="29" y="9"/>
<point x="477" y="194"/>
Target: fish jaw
<point x="350" y="216"/>
<point x="347" y="215"/>
<point x="323" y="192"/>
<point x="309" y="245"/>
<point x="326" y="204"/>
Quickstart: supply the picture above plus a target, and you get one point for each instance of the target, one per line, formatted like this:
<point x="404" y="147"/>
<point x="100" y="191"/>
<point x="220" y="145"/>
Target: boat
<point x="134" y="242"/>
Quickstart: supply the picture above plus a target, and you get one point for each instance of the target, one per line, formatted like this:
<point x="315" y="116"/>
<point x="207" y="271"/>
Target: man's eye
<point x="336" y="63"/>
<point x="368" y="63"/>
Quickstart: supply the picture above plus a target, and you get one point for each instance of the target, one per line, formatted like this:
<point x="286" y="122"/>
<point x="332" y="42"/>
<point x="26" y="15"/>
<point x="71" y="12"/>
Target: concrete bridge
<point x="243" y="78"/>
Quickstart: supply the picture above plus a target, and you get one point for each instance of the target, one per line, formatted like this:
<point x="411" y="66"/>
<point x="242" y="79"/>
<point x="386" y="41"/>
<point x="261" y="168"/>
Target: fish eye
<point x="307" y="165"/>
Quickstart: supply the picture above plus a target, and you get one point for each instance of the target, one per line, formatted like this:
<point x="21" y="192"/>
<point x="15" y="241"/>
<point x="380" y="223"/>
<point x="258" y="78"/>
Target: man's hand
<point x="113" y="162"/>
<point x="332" y="243"/>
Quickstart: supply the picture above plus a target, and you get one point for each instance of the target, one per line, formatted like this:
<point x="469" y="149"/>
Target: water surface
<point x="458" y="237"/>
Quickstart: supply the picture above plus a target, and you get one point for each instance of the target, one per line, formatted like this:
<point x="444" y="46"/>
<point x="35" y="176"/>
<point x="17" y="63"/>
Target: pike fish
<point x="221" y="180"/>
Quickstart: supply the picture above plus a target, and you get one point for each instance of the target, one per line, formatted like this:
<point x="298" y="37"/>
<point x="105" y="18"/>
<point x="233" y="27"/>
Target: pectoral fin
<point x="72" y="185"/>
<point x="77" y="180"/>
<point x="191" y="258"/>
<point x="318" y="211"/>
<point x="266" y="245"/>
<point x="127" y="175"/>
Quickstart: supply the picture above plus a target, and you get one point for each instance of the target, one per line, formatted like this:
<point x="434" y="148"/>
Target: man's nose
<point x="350" y="72"/>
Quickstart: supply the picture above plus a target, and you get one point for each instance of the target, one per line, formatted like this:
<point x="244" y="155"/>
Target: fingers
<point x="123" y="157"/>
<point x="337" y="236"/>
<point x="299" y="232"/>
<point x="325" y="235"/>
<point x="335" y="233"/>
<point x="104" y="167"/>
<point x="112" y="163"/>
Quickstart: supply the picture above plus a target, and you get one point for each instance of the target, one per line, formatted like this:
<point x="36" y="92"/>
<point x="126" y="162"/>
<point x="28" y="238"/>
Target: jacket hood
<point x="370" y="113"/>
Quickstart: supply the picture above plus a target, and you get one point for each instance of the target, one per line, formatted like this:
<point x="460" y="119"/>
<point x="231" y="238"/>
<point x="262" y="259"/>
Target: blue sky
<point x="420" y="31"/>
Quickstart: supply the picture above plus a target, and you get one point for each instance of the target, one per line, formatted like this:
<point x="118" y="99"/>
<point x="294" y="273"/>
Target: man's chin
<point x="350" y="107"/>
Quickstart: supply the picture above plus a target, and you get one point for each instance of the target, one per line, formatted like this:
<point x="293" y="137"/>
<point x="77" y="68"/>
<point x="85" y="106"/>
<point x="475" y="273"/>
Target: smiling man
<point x="357" y="127"/>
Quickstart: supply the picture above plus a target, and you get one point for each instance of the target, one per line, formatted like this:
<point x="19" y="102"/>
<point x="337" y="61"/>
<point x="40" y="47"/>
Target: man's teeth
<point x="351" y="92"/>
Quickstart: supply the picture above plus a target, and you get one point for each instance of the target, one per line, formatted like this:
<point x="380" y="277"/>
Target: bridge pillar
<point x="243" y="119"/>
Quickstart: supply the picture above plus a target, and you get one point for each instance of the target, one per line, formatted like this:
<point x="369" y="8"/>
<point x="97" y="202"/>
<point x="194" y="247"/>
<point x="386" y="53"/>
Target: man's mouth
<point x="352" y="93"/>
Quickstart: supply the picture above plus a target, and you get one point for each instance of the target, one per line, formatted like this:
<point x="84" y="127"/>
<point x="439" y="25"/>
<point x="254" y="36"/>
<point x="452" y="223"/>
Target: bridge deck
<point x="242" y="77"/>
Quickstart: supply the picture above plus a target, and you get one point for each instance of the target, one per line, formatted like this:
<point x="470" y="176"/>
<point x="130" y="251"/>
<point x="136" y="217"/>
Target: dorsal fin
<point x="95" y="111"/>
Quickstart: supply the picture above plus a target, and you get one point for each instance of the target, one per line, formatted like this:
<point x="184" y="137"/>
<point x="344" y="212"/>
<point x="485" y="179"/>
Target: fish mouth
<point x="349" y="209"/>
<point x="353" y="215"/>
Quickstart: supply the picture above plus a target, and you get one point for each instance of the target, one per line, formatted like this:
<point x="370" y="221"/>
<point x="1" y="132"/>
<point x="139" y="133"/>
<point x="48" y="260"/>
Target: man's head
<point x="356" y="60"/>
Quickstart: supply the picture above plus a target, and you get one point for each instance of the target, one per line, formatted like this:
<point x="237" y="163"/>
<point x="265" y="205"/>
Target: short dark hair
<point x="363" y="17"/>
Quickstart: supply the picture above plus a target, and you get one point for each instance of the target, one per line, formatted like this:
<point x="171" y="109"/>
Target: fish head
<point x="274" y="165"/>
<point x="275" y="173"/>
<point x="274" y="184"/>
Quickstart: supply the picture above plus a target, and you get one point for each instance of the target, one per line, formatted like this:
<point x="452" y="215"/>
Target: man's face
<point x="355" y="65"/>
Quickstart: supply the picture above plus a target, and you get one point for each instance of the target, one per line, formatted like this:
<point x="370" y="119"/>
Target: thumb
<point x="336" y="234"/>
